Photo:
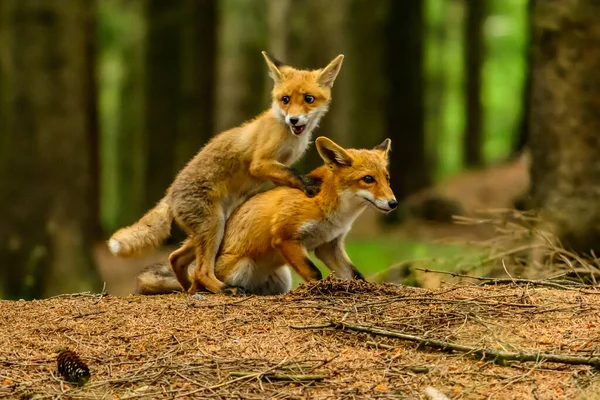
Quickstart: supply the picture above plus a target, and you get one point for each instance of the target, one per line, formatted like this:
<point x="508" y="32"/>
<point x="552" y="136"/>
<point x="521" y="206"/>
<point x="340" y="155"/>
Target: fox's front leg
<point x="334" y="255"/>
<point x="296" y="256"/>
<point x="281" y="175"/>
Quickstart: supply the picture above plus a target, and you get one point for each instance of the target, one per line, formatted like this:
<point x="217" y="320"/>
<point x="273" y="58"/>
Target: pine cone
<point x="72" y="368"/>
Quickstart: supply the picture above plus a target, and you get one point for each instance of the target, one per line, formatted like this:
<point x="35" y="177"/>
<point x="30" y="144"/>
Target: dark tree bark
<point x="473" y="59"/>
<point x="524" y="132"/>
<point x="198" y="75"/>
<point x="565" y="119"/>
<point x="522" y="137"/>
<point x="405" y="100"/>
<point x="162" y="102"/>
<point x="91" y="93"/>
<point x="46" y="174"/>
<point x="364" y="74"/>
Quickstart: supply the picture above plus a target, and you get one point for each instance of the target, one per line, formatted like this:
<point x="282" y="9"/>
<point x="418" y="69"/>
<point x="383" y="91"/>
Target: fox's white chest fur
<point x="293" y="148"/>
<point x="334" y="225"/>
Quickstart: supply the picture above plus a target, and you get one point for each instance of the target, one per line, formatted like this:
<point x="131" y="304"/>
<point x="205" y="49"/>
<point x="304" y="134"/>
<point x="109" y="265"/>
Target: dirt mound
<point x="330" y="340"/>
<point x="330" y="286"/>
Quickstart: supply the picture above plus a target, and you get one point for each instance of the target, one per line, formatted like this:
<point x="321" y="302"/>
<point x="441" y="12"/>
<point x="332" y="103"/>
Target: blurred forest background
<point x="102" y="102"/>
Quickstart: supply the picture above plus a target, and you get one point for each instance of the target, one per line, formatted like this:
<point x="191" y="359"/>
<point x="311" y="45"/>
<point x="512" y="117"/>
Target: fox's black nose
<point x="294" y="120"/>
<point x="393" y="204"/>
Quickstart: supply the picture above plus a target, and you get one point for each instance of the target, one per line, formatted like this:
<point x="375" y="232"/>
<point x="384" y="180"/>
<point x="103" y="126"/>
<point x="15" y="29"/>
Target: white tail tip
<point x="114" y="246"/>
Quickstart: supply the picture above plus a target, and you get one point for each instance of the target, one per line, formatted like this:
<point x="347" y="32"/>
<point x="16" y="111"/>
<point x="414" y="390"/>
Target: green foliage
<point x="374" y="256"/>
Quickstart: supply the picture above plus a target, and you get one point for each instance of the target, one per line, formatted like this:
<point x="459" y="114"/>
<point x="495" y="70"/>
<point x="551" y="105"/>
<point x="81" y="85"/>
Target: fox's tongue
<point x="298" y="129"/>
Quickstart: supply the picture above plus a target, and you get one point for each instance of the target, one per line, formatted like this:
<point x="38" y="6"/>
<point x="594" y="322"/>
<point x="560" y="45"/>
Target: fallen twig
<point x="499" y="281"/>
<point x="281" y="377"/>
<point x="499" y="356"/>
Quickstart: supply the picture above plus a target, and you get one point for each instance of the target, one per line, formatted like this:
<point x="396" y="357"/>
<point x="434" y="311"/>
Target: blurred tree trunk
<point x="437" y="81"/>
<point x="127" y="155"/>
<point x="524" y="132"/>
<point x="405" y="101"/>
<point x="364" y="73"/>
<point x="474" y="45"/>
<point x="279" y="30"/>
<point x="162" y="102"/>
<point x="522" y="137"/>
<point x="242" y="72"/>
<point x="198" y="76"/>
<point x="46" y="178"/>
<point x="91" y="93"/>
<point x="318" y="33"/>
<point x="565" y="120"/>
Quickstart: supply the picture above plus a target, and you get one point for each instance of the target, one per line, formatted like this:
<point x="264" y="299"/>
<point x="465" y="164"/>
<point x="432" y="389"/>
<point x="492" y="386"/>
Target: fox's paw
<point x="312" y="186"/>
<point x="195" y="288"/>
<point x="234" y="291"/>
<point x="358" y="276"/>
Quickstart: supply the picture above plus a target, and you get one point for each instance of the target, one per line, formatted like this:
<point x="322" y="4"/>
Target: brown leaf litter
<point x="303" y="345"/>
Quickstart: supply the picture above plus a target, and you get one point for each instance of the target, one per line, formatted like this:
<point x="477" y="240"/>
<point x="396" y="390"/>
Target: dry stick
<point x="492" y="281"/>
<point x="281" y="377"/>
<point x="498" y="355"/>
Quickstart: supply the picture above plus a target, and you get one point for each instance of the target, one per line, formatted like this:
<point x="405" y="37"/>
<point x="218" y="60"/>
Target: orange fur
<point x="281" y="226"/>
<point x="230" y="168"/>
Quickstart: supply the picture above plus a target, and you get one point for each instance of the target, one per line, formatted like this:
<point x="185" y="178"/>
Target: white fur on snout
<point x="311" y="120"/>
<point x="381" y="204"/>
<point x="302" y="120"/>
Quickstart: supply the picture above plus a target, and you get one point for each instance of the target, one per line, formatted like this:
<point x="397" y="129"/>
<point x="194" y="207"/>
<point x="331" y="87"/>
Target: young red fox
<point x="281" y="226"/>
<point x="232" y="166"/>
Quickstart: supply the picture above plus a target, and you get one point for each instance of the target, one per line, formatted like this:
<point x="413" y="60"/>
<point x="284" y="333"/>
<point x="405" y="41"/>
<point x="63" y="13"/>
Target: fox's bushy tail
<point x="149" y="232"/>
<point x="157" y="279"/>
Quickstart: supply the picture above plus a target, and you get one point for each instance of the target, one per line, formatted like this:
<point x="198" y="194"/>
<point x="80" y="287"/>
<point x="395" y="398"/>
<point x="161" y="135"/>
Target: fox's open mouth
<point x="298" y="129"/>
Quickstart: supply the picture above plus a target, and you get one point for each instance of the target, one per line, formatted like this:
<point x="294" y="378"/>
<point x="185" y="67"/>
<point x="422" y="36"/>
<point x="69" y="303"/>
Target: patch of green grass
<point x="374" y="256"/>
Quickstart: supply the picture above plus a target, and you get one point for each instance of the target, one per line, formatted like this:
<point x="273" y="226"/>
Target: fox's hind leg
<point x="202" y="218"/>
<point x="180" y="259"/>
<point x="207" y="238"/>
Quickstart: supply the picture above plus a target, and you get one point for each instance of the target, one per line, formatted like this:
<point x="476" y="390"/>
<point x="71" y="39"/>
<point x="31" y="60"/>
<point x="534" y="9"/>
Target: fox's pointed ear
<point x="331" y="153"/>
<point x="329" y="73"/>
<point x="384" y="147"/>
<point x="274" y="72"/>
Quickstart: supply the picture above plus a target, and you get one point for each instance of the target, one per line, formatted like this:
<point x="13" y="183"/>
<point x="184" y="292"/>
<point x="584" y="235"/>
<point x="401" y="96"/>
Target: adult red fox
<point x="280" y="226"/>
<point x="233" y="165"/>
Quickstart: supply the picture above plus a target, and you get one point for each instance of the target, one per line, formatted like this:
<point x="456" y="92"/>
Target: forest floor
<point x="319" y="341"/>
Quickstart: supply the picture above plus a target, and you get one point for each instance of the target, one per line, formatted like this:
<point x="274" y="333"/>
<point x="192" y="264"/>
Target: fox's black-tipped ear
<point x="331" y="153"/>
<point x="274" y="71"/>
<point x="330" y="72"/>
<point x="278" y="63"/>
<point x="384" y="147"/>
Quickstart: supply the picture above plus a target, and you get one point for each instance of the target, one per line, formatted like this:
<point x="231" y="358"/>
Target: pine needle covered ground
<point x="326" y="340"/>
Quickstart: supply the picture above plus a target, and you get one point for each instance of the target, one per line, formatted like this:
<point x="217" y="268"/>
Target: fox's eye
<point x="387" y="177"/>
<point x="369" y="179"/>
<point x="309" y="99"/>
<point x="285" y="99"/>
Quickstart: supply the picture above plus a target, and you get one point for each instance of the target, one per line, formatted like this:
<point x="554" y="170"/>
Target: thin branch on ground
<point x="499" y="356"/>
